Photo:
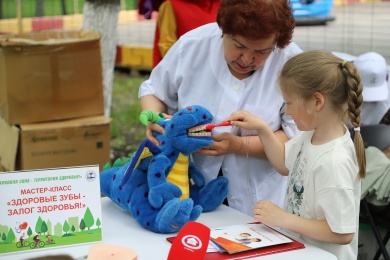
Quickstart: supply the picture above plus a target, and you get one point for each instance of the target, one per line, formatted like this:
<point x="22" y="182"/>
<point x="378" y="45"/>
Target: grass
<point x="126" y="130"/>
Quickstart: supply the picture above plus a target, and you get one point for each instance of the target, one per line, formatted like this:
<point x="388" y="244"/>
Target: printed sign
<point x="49" y="208"/>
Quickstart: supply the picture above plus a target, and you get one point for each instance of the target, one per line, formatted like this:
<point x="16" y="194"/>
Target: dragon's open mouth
<point x="199" y="130"/>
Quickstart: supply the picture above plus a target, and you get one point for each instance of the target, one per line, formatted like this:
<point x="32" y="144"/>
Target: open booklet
<point x="231" y="243"/>
<point x="239" y="238"/>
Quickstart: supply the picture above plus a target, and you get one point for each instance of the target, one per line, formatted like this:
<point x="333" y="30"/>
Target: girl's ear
<point x="319" y="101"/>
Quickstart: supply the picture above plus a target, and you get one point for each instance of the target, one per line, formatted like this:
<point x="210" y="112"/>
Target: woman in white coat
<point x="226" y="66"/>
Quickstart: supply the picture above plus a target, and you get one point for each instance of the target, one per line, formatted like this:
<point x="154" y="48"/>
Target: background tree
<point x="101" y="16"/>
<point x="88" y="218"/>
<point x="3" y="237"/>
<point x="1" y="9"/>
<point x="38" y="226"/>
<point x="63" y="7"/>
<point x="39" y="8"/>
<point x="65" y="227"/>
<point x="82" y="225"/>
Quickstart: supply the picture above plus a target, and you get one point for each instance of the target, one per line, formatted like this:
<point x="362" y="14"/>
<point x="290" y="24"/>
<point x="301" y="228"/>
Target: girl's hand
<point x="269" y="213"/>
<point x="246" y="120"/>
<point x="224" y="143"/>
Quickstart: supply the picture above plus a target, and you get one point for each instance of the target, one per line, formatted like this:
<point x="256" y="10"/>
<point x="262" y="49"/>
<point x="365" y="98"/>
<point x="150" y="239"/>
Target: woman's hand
<point x="149" y="132"/>
<point x="224" y="143"/>
<point x="157" y="128"/>
<point x="269" y="213"/>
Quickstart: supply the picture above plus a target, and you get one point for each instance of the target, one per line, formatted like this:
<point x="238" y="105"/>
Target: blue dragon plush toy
<point x="159" y="185"/>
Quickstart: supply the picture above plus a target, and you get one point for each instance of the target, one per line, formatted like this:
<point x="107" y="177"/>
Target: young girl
<point x="324" y="167"/>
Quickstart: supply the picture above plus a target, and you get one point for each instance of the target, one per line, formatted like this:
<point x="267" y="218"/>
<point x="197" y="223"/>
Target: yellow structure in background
<point x="12" y="25"/>
<point x="138" y="58"/>
<point x="347" y="2"/>
<point x="72" y="21"/>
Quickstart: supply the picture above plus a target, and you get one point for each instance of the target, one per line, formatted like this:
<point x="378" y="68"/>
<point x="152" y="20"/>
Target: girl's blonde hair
<point x="339" y="80"/>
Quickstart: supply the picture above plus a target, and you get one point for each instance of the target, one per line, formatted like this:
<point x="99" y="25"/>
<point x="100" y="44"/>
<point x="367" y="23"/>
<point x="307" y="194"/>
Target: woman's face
<point x="244" y="56"/>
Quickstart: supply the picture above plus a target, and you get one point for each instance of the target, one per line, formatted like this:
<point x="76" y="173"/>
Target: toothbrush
<point x="210" y="127"/>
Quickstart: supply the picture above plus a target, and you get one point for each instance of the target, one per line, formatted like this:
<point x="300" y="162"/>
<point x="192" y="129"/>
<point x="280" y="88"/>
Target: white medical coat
<point x="194" y="72"/>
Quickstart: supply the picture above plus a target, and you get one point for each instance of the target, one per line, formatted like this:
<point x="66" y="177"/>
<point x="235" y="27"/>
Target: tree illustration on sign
<point x="88" y="218"/>
<point x="29" y="231"/>
<point x="3" y="237"/>
<point x="44" y="227"/>
<point x="38" y="226"/>
<point x="98" y="223"/>
<point x="73" y="229"/>
<point x="10" y="236"/>
<point x="49" y="226"/>
<point x="82" y="225"/>
<point x="66" y="227"/>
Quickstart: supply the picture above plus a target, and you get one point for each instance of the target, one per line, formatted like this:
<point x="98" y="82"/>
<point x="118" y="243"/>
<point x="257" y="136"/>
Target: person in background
<point x="226" y="66"/>
<point x="147" y="7"/>
<point x="376" y="87"/>
<point x="175" y="18"/>
<point x="376" y="84"/>
<point x="376" y="98"/>
<point x="324" y="165"/>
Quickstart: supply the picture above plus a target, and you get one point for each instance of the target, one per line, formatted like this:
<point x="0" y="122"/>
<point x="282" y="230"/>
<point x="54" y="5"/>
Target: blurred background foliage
<point x="34" y="8"/>
<point x="126" y="130"/>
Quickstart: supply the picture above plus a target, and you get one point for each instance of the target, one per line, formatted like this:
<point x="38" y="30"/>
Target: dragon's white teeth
<point x="197" y="128"/>
<point x="198" y="131"/>
<point x="200" y="134"/>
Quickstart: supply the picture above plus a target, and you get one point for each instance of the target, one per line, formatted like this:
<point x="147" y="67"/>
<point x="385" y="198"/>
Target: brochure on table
<point x="272" y="242"/>
<point x="60" y="207"/>
<point x="239" y="238"/>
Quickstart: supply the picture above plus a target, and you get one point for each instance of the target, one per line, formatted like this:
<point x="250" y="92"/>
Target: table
<point x="120" y="228"/>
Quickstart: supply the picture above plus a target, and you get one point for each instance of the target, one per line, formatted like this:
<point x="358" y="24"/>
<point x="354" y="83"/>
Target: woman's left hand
<point x="224" y="143"/>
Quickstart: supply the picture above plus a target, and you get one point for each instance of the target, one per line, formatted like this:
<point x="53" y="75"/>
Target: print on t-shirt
<point x="295" y="188"/>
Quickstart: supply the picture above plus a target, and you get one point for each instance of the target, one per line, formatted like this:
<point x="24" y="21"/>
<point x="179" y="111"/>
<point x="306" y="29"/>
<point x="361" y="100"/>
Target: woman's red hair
<point x="257" y="19"/>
